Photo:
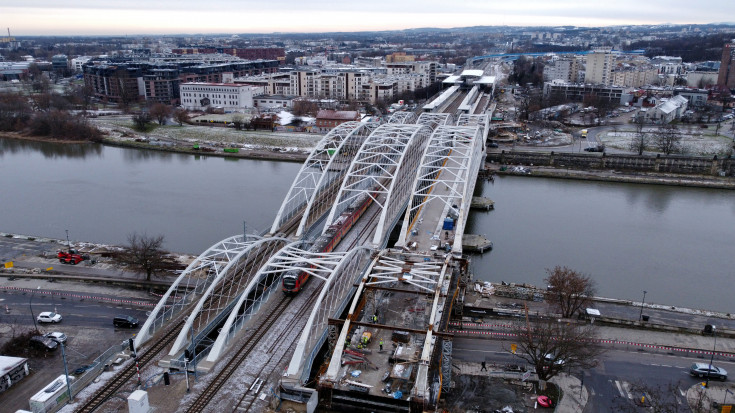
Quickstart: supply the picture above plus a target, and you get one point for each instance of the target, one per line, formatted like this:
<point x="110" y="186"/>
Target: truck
<point x="70" y="257"/>
<point x="584" y="133"/>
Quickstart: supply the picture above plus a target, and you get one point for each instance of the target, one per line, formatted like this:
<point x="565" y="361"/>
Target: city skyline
<point x="134" y="17"/>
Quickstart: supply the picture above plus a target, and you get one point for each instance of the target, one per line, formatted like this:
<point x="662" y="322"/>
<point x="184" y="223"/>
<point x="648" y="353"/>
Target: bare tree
<point x="238" y="121"/>
<point x="181" y="116"/>
<point x="668" y="139"/>
<point x="160" y="112"/>
<point x="145" y="254"/>
<point x="141" y="120"/>
<point x="640" y="138"/>
<point x="552" y="347"/>
<point x="569" y="291"/>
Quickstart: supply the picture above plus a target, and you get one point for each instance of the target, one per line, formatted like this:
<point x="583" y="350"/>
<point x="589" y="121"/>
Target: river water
<point x="675" y="243"/>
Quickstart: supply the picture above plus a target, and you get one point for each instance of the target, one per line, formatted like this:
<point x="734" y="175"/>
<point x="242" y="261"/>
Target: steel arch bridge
<point x="433" y="120"/>
<point x="222" y="292"/>
<point x="450" y="161"/>
<point x="333" y="298"/>
<point x="197" y="276"/>
<point x="314" y="187"/>
<point x="382" y="171"/>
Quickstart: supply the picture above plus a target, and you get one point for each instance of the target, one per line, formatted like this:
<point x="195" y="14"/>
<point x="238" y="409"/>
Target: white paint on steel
<point x="332" y="292"/>
<point x="227" y="294"/>
<point x="380" y="171"/>
<point x="312" y="177"/>
<point x="191" y="280"/>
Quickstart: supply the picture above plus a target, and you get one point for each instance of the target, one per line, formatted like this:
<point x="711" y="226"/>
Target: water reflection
<point x="50" y="150"/>
<point x="628" y="237"/>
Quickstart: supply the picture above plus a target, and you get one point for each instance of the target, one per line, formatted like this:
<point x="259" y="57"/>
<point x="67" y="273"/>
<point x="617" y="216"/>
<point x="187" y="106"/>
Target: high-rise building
<point x="599" y="66"/>
<point x="727" y="66"/>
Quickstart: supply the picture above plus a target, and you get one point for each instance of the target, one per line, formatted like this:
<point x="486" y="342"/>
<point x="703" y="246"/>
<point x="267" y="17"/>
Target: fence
<point x="678" y="164"/>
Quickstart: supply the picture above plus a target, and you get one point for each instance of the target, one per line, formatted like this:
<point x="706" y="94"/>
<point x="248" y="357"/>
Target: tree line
<point x="44" y="114"/>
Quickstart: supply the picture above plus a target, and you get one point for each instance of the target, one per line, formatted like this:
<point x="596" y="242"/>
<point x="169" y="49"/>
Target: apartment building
<point x="565" y="68"/>
<point x="726" y="76"/>
<point x="228" y="96"/>
<point x="159" y="82"/>
<point x="599" y="66"/>
<point x="635" y="76"/>
<point x="577" y="91"/>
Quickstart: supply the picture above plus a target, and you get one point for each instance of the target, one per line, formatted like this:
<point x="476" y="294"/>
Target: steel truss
<point x="483" y="121"/>
<point x="450" y="160"/>
<point x="293" y="256"/>
<point x="402" y="118"/>
<point x="227" y="286"/>
<point x="206" y="268"/>
<point x="403" y="269"/>
<point x="313" y="189"/>
<point x="332" y="300"/>
<point x="434" y="120"/>
<point x="382" y="171"/>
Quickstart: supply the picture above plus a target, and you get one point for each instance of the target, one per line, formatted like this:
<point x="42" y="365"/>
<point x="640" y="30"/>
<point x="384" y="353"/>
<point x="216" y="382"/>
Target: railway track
<point x="249" y="397"/>
<point x="242" y="353"/>
<point x="129" y="372"/>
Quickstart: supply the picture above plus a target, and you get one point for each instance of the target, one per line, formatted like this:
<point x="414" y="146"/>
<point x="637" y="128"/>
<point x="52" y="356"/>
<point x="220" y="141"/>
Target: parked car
<point x="125" y="321"/>
<point x="49" y="317"/>
<point x="43" y="343"/>
<point x="56" y="336"/>
<point x="707" y="370"/>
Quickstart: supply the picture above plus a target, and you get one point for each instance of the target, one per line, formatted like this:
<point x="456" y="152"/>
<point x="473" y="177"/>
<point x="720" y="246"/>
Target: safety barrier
<point x="81" y="297"/>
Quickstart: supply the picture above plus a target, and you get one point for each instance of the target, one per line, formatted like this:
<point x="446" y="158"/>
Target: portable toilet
<point x="448" y="224"/>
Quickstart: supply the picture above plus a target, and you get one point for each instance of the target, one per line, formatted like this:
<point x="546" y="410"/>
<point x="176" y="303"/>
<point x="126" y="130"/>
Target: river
<point x="675" y="243"/>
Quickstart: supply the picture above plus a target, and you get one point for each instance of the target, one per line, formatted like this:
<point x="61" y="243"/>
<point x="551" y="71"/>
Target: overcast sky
<point x="93" y="17"/>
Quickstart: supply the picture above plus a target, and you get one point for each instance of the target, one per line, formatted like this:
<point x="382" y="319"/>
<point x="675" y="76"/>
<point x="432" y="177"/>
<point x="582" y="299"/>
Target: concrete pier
<point x="479" y="202"/>
<point x="476" y="243"/>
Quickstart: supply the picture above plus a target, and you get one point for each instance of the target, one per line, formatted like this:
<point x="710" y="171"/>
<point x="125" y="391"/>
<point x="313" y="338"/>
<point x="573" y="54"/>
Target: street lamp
<point x="640" y="316"/>
<point x="30" y="304"/>
<point x="712" y="356"/>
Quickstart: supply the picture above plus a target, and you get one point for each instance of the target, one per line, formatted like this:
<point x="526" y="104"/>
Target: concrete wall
<point x="696" y="165"/>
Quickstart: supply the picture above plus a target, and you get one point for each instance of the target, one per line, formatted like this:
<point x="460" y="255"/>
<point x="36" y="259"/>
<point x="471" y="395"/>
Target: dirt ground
<point x="486" y="394"/>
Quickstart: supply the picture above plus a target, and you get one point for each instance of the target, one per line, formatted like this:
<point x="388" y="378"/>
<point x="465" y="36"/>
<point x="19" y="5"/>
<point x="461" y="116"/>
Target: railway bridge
<point x="375" y="218"/>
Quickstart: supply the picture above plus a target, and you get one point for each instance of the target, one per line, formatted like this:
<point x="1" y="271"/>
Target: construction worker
<point x="381" y="344"/>
<point x="375" y="318"/>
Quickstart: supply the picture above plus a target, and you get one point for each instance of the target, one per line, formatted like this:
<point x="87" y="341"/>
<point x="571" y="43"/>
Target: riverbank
<point x="697" y="181"/>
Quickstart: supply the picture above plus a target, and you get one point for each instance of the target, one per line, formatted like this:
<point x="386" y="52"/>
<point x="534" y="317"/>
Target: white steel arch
<point x="403" y="117"/>
<point x="291" y="257"/>
<point x="193" y="280"/>
<point x="331" y="301"/>
<point x="434" y="120"/>
<point x="382" y="171"/>
<point x="225" y="288"/>
<point x="323" y="169"/>
<point x="447" y="174"/>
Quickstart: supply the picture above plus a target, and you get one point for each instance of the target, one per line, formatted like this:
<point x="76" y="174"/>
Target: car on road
<point x="49" y="317"/>
<point x="43" y="343"/>
<point x="56" y="336"/>
<point x="125" y="321"/>
<point x="707" y="370"/>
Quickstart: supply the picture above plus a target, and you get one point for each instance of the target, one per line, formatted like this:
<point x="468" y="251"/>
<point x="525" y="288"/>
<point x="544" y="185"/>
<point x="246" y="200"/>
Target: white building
<point x="668" y="110"/>
<point x="77" y="62"/>
<point x="228" y="96"/>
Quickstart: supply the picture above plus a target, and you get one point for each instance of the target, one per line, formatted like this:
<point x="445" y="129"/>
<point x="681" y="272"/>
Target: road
<point x="614" y="383"/>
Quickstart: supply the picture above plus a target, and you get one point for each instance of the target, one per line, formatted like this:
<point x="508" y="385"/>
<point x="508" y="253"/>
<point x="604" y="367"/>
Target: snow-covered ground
<point x="121" y="128"/>
<point x="693" y="142"/>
